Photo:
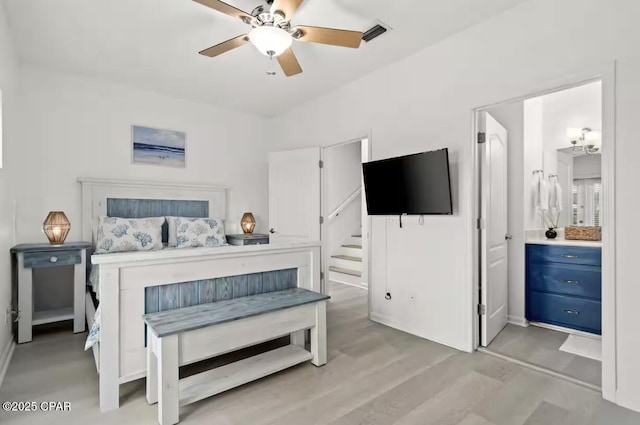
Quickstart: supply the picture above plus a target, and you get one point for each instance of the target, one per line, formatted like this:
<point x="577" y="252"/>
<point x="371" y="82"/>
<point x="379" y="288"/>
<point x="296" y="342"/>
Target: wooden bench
<point x="224" y="326"/>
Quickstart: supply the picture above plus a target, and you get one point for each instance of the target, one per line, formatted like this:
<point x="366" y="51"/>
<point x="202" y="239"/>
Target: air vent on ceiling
<point x="374" y="32"/>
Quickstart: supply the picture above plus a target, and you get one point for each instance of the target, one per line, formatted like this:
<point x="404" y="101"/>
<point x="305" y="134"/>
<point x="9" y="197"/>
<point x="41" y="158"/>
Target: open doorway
<point x="541" y="199"/>
<point x="345" y="223"/>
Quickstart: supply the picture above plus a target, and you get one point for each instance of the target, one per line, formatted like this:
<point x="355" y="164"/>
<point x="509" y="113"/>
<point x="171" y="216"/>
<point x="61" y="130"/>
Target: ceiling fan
<point x="272" y="33"/>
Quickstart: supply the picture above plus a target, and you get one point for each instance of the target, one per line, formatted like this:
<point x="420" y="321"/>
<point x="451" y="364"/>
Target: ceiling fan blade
<point x="289" y="63"/>
<point x="287" y="7"/>
<point x="225" y="8"/>
<point x="333" y="37"/>
<point x="221" y="48"/>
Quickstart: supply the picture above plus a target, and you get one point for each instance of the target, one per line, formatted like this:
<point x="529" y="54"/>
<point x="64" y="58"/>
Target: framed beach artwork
<point x="158" y="147"/>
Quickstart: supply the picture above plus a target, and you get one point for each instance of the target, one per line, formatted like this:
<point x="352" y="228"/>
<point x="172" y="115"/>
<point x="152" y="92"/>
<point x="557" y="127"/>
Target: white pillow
<point x="116" y="234"/>
<point x="194" y="232"/>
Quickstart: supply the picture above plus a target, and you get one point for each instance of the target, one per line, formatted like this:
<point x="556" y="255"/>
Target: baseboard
<point x="5" y="359"/>
<point x="518" y="321"/>
<point x="566" y="330"/>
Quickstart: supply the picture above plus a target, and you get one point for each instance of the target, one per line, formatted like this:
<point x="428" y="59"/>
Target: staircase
<point x="345" y="264"/>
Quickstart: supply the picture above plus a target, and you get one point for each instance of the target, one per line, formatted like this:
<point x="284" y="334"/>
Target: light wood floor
<point x="375" y="375"/>
<point x="541" y="347"/>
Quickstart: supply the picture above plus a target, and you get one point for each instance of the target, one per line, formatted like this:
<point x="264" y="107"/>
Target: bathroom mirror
<point x="580" y="180"/>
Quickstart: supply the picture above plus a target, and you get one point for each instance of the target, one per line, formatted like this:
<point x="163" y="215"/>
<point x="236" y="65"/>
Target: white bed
<point x="124" y="277"/>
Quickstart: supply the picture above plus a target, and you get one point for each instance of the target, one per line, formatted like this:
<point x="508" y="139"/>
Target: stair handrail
<point x="345" y="204"/>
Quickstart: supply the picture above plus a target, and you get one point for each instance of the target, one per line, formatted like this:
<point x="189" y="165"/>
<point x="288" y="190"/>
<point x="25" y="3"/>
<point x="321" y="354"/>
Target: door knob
<point x="508" y="237"/>
<point x="272" y="230"/>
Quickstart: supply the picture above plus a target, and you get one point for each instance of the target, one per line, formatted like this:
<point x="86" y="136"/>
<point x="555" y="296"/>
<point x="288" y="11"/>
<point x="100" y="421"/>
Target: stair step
<point x="345" y="271"/>
<point x="347" y="257"/>
<point x="352" y="246"/>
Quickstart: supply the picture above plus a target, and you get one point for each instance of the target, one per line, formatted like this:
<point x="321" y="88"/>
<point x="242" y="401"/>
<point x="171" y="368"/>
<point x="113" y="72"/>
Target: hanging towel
<point x="535" y="191"/>
<point x="555" y="195"/>
<point x="543" y="195"/>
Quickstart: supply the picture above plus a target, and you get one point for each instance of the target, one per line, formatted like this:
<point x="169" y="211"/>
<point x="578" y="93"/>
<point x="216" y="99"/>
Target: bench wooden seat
<point x="224" y="326"/>
<point x="186" y="319"/>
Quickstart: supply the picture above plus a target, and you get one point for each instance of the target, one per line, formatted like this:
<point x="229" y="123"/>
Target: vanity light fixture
<point x="584" y="139"/>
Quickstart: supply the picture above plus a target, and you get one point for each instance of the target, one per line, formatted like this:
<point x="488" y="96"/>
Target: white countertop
<point x="564" y="242"/>
<point x="538" y="238"/>
<point x="190" y="253"/>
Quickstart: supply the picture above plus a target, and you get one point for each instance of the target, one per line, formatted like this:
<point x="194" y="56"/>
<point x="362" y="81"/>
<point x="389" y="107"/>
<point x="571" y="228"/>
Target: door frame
<point x="606" y="73"/>
<point x="365" y="149"/>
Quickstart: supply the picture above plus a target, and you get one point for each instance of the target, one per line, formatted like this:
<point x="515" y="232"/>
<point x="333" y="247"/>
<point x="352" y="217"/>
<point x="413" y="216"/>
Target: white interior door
<point x="493" y="236"/>
<point x="294" y="195"/>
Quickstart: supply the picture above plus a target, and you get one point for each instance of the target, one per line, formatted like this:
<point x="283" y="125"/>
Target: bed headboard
<point x="134" y="199"/>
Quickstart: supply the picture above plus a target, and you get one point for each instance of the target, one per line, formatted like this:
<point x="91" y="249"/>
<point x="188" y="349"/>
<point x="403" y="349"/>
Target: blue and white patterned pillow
<point x="194" y="232"/>
<point x="117" y="234"/>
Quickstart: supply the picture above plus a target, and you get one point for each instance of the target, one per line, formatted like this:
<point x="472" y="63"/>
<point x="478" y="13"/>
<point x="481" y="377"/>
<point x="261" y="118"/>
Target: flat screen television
<point x="416" y="184"/>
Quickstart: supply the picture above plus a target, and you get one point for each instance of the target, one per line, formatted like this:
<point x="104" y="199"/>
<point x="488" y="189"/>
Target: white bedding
<point x="94" y="332"/>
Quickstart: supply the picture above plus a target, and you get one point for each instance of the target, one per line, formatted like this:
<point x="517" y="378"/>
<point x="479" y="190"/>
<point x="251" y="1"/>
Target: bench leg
<point x="152" y="370"/>
<point x="319" y="335"/>
<point x="168" y="391"/>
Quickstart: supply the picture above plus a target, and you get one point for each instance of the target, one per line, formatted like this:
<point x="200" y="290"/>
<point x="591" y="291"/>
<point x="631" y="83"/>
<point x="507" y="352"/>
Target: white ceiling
<point x="153" y="44"/>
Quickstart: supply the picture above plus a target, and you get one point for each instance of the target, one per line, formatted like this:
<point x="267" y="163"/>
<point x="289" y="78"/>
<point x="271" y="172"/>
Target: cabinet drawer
<point x="562" y="310"/>
<point x="35" y="260"/>
<point x="564" y="254"/>
<point x="577" y="280"/>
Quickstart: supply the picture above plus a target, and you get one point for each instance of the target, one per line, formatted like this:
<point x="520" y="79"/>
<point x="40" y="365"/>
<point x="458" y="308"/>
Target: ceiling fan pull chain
<point x="271" y="67"/>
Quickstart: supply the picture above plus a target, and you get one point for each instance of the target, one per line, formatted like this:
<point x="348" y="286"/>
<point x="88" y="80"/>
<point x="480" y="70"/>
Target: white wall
<point x="547" y="119"/>
<point x="533" y="160"/>
<point x="511" y="117"/>
<point x="424" y="102"/>
<point x="81" y="127"/>
<point x="342" y="170"/>
<point x="578" y="107"/>
<point x="8" y="174"/>
<point x="342" y="176"/>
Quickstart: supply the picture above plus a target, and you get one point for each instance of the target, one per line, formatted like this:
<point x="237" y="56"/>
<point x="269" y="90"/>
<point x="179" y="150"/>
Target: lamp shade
<point x="56" y="226"/>
<point x="574" y="133"/>
<point x="270" y="40"/>
<point x="248" y="223"/>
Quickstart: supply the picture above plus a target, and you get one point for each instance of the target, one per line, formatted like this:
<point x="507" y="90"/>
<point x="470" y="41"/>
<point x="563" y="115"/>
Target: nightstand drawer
<point x="562" y="310"/>
<point x="261" y="241"/>
<point x="253" y="239"/>
<point x="35" y="260"/>
<point x="570" y="279"/>
<point x="564" y="254"/>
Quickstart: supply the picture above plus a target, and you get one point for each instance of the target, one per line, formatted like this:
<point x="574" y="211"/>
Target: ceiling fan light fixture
<point x="270" y="41"/>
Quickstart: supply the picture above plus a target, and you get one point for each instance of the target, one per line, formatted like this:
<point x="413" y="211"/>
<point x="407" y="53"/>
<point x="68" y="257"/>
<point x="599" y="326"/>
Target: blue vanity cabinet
<point x="564" y="286"/>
